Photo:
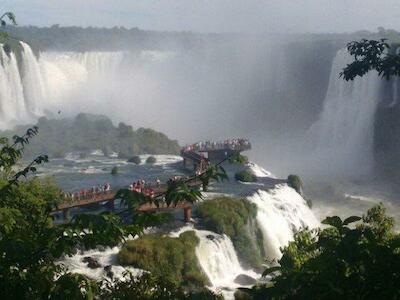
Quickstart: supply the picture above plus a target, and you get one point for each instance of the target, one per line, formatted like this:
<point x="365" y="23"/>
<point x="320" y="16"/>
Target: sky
<point x="212" y="15"/>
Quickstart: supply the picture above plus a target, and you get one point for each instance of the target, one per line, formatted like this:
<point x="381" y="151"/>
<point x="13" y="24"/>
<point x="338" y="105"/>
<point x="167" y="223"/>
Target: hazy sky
<point x="213" y="15"/>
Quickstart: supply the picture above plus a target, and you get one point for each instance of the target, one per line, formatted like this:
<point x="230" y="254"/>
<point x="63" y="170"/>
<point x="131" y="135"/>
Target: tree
<point x="30" y="243"/>
<point x="372" y="55"/>
<point x="343" y="261"/>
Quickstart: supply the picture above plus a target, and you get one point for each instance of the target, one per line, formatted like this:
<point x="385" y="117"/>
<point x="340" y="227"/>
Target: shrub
<point x="114" y="171"/>
<point x="245" y="176"/>
<point x="295" y="182"/>
<point x="171" y="258"/>
<point x="233" y="217"/>
<point x="345" y="260"/>
<point x="135" y="159"/>
<point x="151" y="160"/>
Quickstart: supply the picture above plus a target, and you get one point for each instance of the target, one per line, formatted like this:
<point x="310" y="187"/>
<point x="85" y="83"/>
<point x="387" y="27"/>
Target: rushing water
<point x="343" y="135"/>
<point x="281" y="211"/>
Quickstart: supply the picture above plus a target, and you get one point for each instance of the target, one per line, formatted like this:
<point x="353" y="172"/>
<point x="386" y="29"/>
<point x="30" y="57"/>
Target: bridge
<point x="90" y="198"/>
<point x="199" y="155"/>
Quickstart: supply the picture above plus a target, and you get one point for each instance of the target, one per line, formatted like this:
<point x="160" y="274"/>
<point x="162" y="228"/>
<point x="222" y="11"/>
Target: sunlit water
<point x="280" y="211"/>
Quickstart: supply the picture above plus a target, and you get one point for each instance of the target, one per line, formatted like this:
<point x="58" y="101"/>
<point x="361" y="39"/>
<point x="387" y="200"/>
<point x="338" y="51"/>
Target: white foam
<point x="105" y="257"/>
<point x="259" y="171"/>
<point x="281" y="211"/>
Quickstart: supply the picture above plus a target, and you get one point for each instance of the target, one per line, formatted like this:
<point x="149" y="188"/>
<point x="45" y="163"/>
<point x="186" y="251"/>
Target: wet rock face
<point x="243" y="279"/>
<point x="387" y="143"/>
<point x="108" y="271"/>
<point x="91" y="262"/>
<point x="211" y="237"/>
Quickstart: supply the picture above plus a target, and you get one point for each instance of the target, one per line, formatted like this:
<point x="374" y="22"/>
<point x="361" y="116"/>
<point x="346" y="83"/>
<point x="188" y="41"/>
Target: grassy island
<point x="172" y="258"/>
<point x="235" y="218"/>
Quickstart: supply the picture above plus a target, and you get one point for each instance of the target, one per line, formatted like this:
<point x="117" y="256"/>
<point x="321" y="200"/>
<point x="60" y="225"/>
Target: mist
<point x="265" y="80"/>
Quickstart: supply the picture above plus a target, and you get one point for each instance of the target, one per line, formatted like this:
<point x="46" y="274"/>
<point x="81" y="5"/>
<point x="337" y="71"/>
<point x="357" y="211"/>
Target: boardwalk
<point x="199" y="155"/>
<point x="109" y="196"/>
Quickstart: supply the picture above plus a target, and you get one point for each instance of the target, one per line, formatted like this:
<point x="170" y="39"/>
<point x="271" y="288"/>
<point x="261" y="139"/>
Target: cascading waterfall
<point x="280" y="213"/>
<point x="343" y="135"/>
<point x="12" y="104"/>
<point x="65" y="81"/>
<point x="218" y="259"/>
<point x="33" y="81"/>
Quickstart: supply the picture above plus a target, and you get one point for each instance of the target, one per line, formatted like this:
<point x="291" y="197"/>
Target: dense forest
<point x="87" y="132"/>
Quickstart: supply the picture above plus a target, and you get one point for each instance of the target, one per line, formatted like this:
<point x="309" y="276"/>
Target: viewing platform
<point x="109" y="197"/>
<point x="197" y="156"/>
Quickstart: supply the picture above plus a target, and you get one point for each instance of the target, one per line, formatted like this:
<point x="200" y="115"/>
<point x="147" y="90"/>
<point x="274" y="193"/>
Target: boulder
<point x="91" y="262"/>
<point x="244" y="279"/>
<point x="109" y="272"/>
<point x="210" y="237"/>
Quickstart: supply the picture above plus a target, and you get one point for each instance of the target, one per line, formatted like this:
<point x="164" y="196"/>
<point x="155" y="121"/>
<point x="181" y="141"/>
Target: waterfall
<point x="218" y="259"/>
<point x="343" y="135"/>
<point x="72" y="82"/>
<point x="12" y="105"/>
<point x="280" y="212"/>
<point x="33" y="82"/>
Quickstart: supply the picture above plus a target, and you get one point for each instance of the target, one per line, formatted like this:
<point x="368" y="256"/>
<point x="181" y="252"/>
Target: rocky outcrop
<point x="91" y="262"/>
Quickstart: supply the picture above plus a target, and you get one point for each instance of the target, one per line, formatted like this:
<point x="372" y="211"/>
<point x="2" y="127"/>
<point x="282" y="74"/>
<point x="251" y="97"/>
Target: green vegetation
<point x="170" y="258"/>
<point x="239" y="159"/>
<point x="245" y="176"/>
<point x="233" y="217"/>
<point x="151" y="160"/>
<point x="87" y="132"/>
<point x="150" y="287"/>
<point x="135" y="159"/>
<point x="31" y="244"/>
<point x="372" y="55"/>
<point x="342" y="261"/>
<point x="114" y="170"/>
<point x="295" y="182"/>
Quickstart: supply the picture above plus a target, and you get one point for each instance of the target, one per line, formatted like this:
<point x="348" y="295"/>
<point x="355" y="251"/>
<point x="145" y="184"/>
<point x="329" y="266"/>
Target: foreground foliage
<point x="372" y="55"/>
<point x="342" y="261"/>
<point x="148" y="286"/>
<point x="31" y="244"/>
<point x="235" y="218"/>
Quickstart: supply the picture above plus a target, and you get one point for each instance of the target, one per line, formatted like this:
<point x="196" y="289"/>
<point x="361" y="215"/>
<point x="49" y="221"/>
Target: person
<point x="158" y="182"/>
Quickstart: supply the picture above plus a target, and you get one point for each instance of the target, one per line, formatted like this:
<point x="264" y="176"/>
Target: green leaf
<point x="351" y="219"/>
<point x="334" y="221"/>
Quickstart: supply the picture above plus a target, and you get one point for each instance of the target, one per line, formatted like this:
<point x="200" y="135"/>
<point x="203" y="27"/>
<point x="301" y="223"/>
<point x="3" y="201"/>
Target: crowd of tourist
<point x="233" y="144"/>
<point x="88" y="193"/>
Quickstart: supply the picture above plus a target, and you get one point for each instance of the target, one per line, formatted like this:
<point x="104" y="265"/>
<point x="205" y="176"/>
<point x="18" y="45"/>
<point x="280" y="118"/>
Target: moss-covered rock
<point x="135" y="159"/>
<point x="295" y="182"/>
<point x="114" y="171"/>
<point x="151" y="160"/>
<point x="245" y="176"/>
<point x="235" y="218"/>
<point x="172" y="258"/>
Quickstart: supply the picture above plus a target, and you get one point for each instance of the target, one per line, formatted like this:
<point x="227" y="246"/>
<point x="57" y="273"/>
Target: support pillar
<point x="187" y="211"/>
<point x="111" y="205"/>
<point x="66" y="215"/>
